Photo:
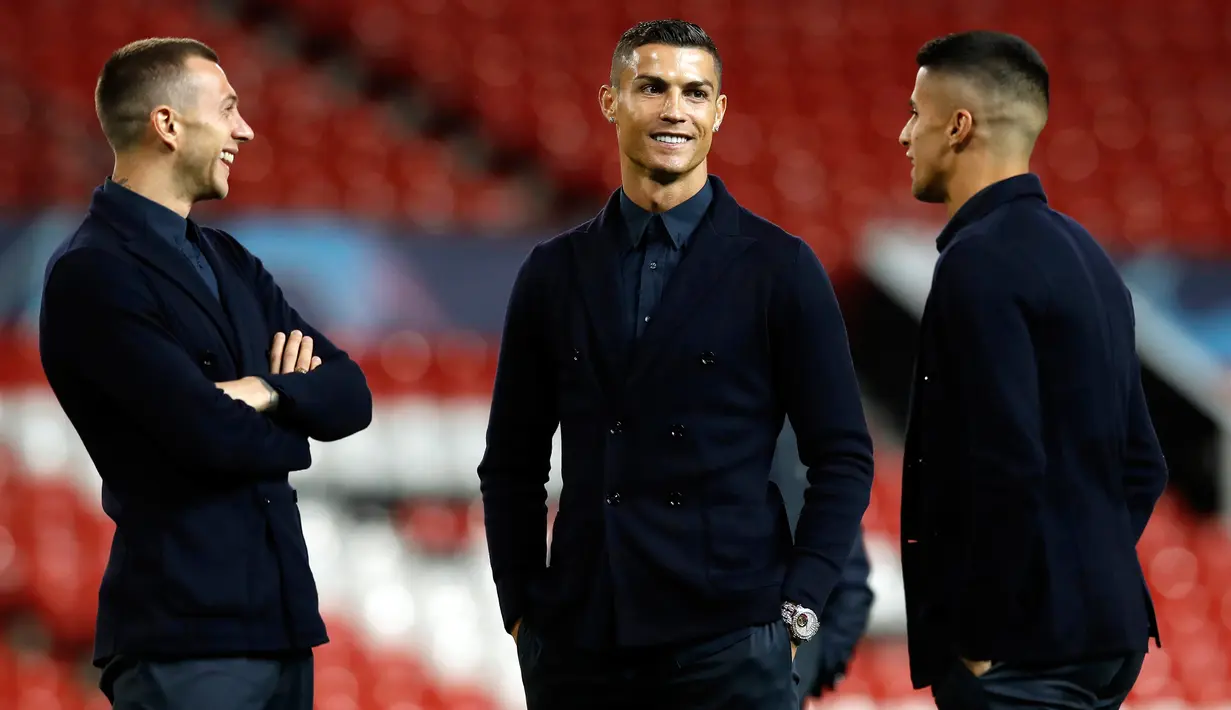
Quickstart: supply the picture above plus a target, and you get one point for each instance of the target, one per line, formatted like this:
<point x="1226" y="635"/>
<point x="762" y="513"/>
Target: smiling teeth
<point x="228" y="158"/>
<point x="670" y="139"/>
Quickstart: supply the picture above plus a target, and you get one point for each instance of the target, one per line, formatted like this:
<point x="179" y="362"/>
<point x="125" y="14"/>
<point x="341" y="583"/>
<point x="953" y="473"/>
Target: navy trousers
<point x="745" y="670"/>
<point x="210" y="684"/>
<point x="1096" y="685"/>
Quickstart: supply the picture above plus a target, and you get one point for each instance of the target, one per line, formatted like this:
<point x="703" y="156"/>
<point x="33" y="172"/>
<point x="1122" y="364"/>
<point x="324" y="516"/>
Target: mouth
<point x="227" y="157"/>
<point x="672" y="140"/>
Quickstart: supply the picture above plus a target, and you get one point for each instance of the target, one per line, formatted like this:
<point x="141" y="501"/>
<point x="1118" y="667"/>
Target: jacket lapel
<point x="160" y="256"/>
<point x="228" y="282"/>
<point x="597" y="259"/>
<point x="163" y="258"/>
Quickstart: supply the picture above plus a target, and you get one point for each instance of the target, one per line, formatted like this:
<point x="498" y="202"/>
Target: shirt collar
<point x="985" y="201"/>
<point x="166" y="224"/>
<point x="681" y="221"/>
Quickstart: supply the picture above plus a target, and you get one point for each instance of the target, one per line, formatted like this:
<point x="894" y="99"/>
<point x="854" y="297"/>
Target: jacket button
<point x="207" y="359"/>
<point x="614" y="498"/>
<point x="617" y="427"/>
<point x="576" y="354"/>
<point x="677" y="431"/>
<point x="675" y="500"/>
<point x="707" y="358"/>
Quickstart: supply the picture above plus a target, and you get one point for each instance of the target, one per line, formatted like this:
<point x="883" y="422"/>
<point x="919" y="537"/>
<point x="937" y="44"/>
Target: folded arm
<point x="333" y="400"/>
<point x="103" y="329"/>
<point x="983" y="300"/>
<point x="815" y="378"/>
<point x="516" y="463"/>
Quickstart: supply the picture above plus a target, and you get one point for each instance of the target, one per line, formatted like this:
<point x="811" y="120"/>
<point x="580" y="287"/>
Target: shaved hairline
<point x="999" y="109"/>
<point x="176" y="92"/>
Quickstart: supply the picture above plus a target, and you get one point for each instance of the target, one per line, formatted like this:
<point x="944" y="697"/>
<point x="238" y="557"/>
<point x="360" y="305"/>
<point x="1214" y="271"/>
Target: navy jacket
<point x="208" y="556"/>
<point x="1031" y="465"/>
<point x="667" y="442"/>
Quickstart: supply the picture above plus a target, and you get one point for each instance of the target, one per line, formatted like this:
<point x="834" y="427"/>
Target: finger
<point x="275" y="352"/>
<point x="291" y="354"/>
<point x="316" y="362"/>
<point x="305" y="355"/>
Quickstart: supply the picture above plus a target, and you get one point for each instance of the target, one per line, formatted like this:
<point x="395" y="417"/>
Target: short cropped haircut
<point x="138" y="77"/>
<point x="672" y="33"/>
<point x="997" y="61"/>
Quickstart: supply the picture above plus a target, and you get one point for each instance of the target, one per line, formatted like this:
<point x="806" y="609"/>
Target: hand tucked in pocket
<point x="977" y="668"/>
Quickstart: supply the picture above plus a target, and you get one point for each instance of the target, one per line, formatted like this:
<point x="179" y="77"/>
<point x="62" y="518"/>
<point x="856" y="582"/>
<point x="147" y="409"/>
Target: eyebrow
<point x="654" y="78"/>
<point x="230" y="99"/>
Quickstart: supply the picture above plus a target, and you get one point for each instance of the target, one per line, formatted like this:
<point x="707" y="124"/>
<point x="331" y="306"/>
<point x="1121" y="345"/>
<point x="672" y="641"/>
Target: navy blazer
<point x="667" y="442"/>
<point x="208" y="556"/>
<point x="1031" y="463"/>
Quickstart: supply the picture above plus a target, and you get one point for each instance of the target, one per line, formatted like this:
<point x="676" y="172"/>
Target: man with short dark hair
<point x="195" y="388"/>
<point x="1031" y="464"/>
<point x="667" y="338"/>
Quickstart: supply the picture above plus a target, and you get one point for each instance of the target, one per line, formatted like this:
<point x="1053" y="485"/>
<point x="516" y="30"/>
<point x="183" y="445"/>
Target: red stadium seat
<point x="310" y="167"/>
<point x="530" y="78"/>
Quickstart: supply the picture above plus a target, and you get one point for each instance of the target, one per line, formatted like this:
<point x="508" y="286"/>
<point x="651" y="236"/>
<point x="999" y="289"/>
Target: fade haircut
<point x="672" y="33"/>
<point x="1000" y="64"/>
<point x="138" y="77"/>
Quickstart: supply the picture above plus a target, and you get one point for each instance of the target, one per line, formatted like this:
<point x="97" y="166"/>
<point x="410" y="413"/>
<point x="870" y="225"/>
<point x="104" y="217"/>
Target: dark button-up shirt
<point x="650" y="256"/>
<point x="180" y="233"/>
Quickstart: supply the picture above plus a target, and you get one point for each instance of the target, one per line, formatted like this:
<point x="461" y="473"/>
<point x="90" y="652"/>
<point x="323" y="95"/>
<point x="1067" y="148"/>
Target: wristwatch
<point x="801" y="622"/>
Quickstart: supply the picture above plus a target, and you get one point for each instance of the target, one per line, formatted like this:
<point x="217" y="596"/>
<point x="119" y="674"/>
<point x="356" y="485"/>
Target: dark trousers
<point x="1097" y="685"/>
<point x="746" y="670"/>
<point x="210" y="684"/>
<point x="808" y="668"/>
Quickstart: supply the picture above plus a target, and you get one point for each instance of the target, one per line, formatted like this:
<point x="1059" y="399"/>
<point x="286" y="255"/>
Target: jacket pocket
<point x="205" y="551"/>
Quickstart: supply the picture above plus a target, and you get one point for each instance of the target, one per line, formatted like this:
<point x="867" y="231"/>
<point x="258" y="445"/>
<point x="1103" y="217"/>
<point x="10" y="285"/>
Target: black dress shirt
<point x="656" y="244"/>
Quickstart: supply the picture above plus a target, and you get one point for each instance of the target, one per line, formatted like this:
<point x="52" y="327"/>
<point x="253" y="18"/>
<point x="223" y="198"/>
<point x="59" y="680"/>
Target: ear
<point x="607" y="102"/>
<point x="167" y="126"/>
<point x="720" y="111"/>
<point x="961" y="128"/>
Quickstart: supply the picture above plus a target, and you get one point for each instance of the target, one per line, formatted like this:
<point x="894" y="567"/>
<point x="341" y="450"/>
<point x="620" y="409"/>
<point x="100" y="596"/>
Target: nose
<point x="243" y="132"/>
<point x="904" y="138"/>
<point x="671" y="110"/>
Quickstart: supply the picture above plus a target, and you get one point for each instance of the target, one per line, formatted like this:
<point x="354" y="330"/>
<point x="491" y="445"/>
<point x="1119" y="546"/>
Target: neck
<point x="152" y="181"/>
<point x="654" y="196"/>
<point x="971" y="179"/>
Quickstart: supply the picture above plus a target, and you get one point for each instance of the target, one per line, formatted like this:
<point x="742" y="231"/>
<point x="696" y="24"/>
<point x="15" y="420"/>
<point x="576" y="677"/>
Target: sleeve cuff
<point x="513" y="601"/>
<point x="288" y="388"/>
<point x="809" y="583"/>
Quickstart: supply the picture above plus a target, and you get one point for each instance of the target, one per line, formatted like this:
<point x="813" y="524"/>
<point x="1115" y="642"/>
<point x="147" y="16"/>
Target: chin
<point x="217" y="191"/>
<point x="927" y="193"/>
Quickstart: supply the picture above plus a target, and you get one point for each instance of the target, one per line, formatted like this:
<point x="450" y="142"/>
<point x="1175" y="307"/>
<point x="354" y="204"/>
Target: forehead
<point x="209" y="78"/>
<point x="673" y="64"/>
<point x="928" y="87"/>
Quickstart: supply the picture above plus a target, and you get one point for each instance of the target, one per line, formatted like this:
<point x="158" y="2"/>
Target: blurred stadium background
<point x="409" y="152"/>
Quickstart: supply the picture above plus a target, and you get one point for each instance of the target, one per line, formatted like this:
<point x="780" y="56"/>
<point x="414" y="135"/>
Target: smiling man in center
<point x="668" y="338"/>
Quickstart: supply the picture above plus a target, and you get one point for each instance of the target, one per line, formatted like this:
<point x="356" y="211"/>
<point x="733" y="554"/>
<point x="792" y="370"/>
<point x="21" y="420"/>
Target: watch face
<point x="805" y="623"/>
